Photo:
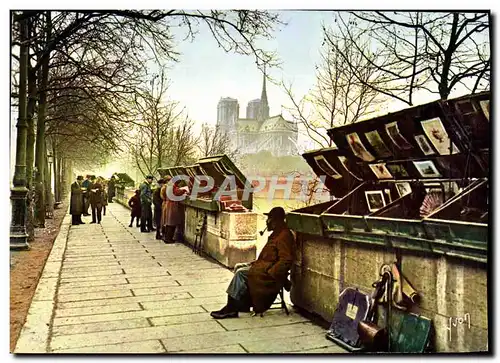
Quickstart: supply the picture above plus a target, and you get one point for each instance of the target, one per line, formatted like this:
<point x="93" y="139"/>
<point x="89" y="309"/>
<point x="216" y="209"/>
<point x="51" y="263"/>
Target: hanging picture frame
<point x="358" y="148"/>
<point x="375" y="200"/>
<point x="396" y="137"/>
<point x="485" y="107"/>
<point x="397" y="170"/>
<point x="343" y="161"/>
<point x="427" y="169"/>
<point x="438" y="136"/>
<point x="424" y="145"/>
<point x="388" y="194"/>
<point x="380" y="171"/>
<point x="378" y="144"/>
<point x="403" y="189"/>
<point x="325" y="166"/>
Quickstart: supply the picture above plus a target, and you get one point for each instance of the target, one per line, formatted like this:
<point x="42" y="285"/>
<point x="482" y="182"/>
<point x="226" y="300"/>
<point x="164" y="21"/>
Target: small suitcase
<point x="352" y="308"/>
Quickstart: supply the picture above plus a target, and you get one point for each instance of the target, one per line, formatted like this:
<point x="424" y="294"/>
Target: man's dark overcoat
<point x="269" y="272"/>
<point x="76" y="203"/>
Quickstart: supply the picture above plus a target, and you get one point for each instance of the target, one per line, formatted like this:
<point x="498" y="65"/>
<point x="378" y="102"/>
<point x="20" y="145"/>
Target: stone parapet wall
<point x="229" y="238"/>
<point x="449" y="287"/>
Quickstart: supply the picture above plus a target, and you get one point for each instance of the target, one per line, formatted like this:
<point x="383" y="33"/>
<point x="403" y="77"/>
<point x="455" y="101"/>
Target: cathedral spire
<point x="264" y="106"/>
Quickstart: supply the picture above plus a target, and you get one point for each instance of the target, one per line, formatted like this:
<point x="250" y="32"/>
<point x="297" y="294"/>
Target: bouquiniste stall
<point x="410" y="188"/>
<point x="226" y="226"/>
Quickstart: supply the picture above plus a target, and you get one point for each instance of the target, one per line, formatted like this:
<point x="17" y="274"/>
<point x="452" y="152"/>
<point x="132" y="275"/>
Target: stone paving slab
<point x="110" y="289"/>
<point x="140" y="347"/>
<point x="123" y="300"/>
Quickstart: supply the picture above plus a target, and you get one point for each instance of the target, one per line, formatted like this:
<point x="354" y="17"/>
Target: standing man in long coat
<point x="259" y="284"/>
<point x="157" y="202"/>
<point x="146" y="198"/>
<point x="111" y="189"/>
<point x="86" y="195"/>
<point x="76" y="202"/>
<point x="96" y="201"/>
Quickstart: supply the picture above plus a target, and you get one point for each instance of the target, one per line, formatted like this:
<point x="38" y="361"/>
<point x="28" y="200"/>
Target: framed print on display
<point x="427" y="169"/>
<point x="378" y="144"/>
<point x="403" y="189"/>
<point x="380" y="171"/>
<point x="343" y="161"/>
<point x="438" y="136"/>
<point x="358" y="148"/>
<point x="424" y="145"/>
<point x="388" y="194"/>
<point x="326" y="167"/>
<point x="375" y="200"/>
<point x="485" y="106"/>
<point x="396" y="137"/>
<point x="397" y="170"/>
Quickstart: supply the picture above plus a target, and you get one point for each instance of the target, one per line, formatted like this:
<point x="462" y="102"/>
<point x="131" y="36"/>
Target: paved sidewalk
<point x="110" y="289"/>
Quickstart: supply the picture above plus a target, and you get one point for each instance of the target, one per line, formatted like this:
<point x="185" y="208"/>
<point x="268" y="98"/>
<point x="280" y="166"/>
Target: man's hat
<point x="79" y="177"/>
<point x="276" y="213"/>
<point x="149" y="177"/>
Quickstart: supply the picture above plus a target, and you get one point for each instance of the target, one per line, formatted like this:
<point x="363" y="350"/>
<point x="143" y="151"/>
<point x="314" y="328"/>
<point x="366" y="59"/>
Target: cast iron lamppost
<point x="50" y="200"/>
<point x="18" y="236"/>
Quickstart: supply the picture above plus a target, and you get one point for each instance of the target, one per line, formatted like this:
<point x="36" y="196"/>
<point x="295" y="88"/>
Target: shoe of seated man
<point x="224" y="313"/>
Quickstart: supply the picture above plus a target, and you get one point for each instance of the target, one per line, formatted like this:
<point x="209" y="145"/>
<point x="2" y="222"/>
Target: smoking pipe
<point x="262" y="232"/>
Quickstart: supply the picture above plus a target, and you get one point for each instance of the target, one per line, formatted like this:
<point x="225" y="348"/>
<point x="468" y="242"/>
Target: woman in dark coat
<point x="76" y="202"/>
<point x="259" y="284"/>
<point x="135" y="204"/>
<point x="172" y="212"/>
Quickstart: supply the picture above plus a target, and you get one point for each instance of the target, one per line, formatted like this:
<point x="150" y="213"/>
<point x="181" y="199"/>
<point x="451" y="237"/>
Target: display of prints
<point x="388" y="193"/>
<point x="358" y="148"/>
<point x="438" y="136"/>
<point x="424" y="145"/>
<point x="326" y="167"/>
<point x="427" y="169"/>
<point x="375" y="200"/>
<point x="378" y="144"/>
<point x="397" y="170"/>
<point x="380" y="171"/>
<point x="396" y="137"/>
<point x="343" y="161"/>
<point x="403" y="189"/>
<point x="485" y="106"/>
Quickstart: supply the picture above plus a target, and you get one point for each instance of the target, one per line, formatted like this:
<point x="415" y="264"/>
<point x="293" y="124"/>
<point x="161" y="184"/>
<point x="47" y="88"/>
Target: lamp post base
<point x="18" y="235"/>
<point x="19" y="242"/>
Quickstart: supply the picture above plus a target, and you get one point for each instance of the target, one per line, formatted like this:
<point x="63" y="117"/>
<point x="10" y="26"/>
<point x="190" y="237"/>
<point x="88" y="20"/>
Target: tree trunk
<point x="18" y="236"/>
<point x="30" y="153"/>
<point x="40" y="134"/>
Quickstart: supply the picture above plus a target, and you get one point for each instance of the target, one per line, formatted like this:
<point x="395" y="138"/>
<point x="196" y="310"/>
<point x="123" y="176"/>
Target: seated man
<point x="258" y="283"/>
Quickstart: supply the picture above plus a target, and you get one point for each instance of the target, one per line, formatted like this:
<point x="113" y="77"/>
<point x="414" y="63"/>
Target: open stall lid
<point x="441" y="139"/>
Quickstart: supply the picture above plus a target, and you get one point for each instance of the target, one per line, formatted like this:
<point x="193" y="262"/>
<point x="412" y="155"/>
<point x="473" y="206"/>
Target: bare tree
<point x="214" y="141"/>
<point x="340" y="95"/>
<point x="418" y="51"/>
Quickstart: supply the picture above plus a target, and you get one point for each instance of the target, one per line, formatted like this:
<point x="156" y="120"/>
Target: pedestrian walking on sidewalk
<point x="146" y="200"/>
<point x="105" y="194"/>
<point x="76" y="202"/>
<point x="135" y="205"/>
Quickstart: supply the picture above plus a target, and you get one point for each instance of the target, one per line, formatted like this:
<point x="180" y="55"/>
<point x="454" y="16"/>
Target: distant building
<point x="258" y="132"/>
<point x="253" y="109"/>
<point x="228" y="112"/>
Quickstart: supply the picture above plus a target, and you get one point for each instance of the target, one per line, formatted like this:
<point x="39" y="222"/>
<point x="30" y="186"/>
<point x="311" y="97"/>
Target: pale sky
<point x="206" y="73"/>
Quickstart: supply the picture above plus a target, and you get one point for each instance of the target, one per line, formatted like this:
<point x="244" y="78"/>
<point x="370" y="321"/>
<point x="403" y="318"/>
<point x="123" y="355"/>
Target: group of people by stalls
<point x="168" y="214"/>
<point x="92" y="192"/>
<point x="254" y="285"/>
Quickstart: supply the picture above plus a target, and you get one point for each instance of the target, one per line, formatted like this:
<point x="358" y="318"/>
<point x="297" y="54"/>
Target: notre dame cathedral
<point x="257" y="132"/>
